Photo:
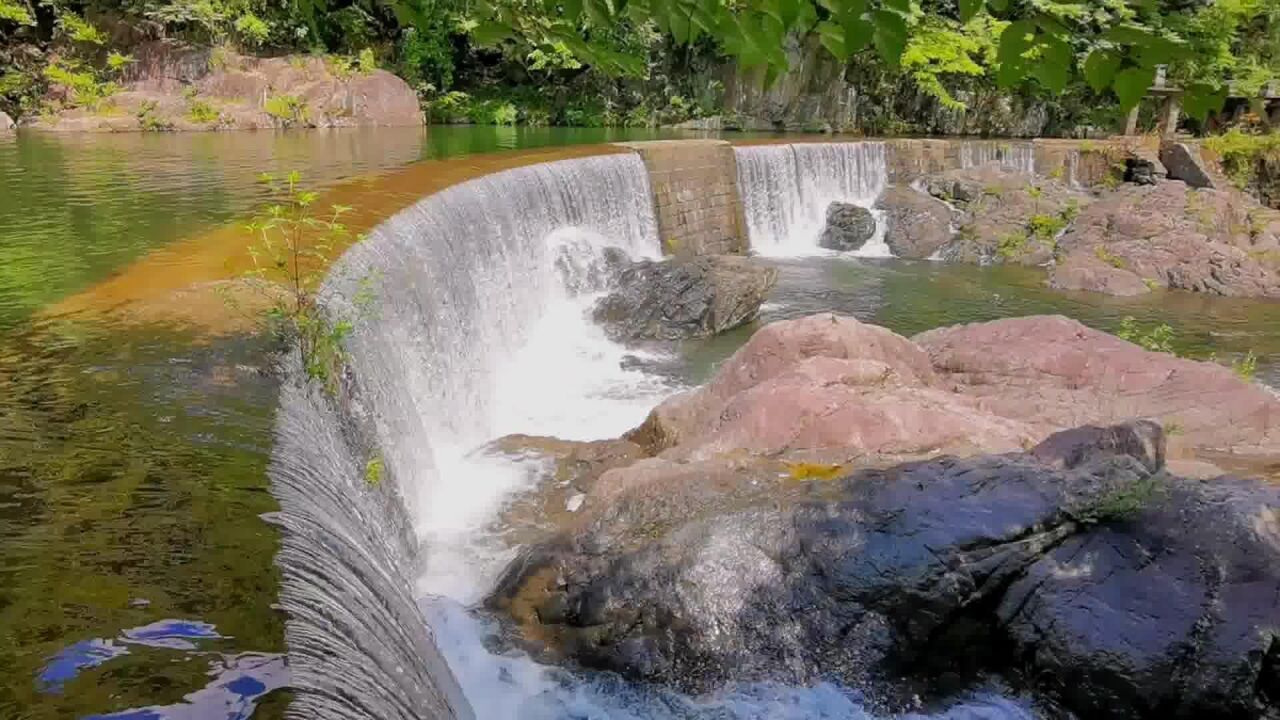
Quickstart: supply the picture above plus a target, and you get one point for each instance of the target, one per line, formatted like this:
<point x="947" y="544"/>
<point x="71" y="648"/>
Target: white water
<point x="1012" y="156"/>
<point x="480" y="332"/>
<point x="786" y="190"/>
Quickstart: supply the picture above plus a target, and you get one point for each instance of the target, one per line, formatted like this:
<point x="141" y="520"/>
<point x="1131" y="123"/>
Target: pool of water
<point x="136" y="576"/>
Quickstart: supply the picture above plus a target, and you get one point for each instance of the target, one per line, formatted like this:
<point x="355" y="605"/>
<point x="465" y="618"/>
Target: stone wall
<point x="695" y="193"/>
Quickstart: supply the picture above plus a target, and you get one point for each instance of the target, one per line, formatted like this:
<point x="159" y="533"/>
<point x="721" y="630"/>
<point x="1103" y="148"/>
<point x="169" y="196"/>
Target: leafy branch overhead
<point x="1113" y="45"/>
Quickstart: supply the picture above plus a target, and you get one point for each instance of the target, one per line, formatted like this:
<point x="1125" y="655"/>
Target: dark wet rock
<point x="916" y="223"/>
<point x="1139" y="238"/>
<point x="848" y="227"/>
<point x="1006" y="215"/>
<point x="1144" y="168"/>
<point x="724" y="572"/>
<point x="684" y="298"/>
<point x="1184" y="163"/>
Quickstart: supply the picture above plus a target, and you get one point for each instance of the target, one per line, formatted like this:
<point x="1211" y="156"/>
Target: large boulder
<point x="1138" y="238"/>
<point x="1053" y="372"/>
<point x="6" y="122"/>
<point x="684" y="298"/>
<point x="724" y="570"/>
<point x="1183" y="162"/>
<point x="917" y="224"/>
<point x="1006" y="215"/>
<point x="848" y="227"/>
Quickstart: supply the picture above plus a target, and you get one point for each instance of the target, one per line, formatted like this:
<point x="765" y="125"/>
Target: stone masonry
<point x="695" y="193"/>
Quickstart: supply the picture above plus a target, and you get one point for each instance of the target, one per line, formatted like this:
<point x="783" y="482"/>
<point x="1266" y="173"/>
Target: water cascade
<point x="786" y="190"/>
<point x="474" y="329"/>
<point x="478" y="330"/>
<point x="1011" y="156"/>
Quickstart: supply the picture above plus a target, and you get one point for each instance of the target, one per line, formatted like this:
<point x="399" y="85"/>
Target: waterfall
<point x="786" y="189"/>
<point x="477" y="328"/>
<point x="1012" y="156"/>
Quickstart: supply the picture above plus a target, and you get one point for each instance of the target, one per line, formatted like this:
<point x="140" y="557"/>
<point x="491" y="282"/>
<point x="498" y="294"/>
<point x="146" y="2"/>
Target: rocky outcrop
<point x="684" y="298"/>
<point x="1126" y="591"/>
<point x="1053" y="372"/>
<point x="1184" y="163"/>
<point x="177" y="87"/>
<point x="6" y="122"/>
<point x="1138" y="238"/>
<point x="848" y="227"/>
<point x="917" y="224"/>
<point x="1005" y="215"/>
<point x="842" y="390"/>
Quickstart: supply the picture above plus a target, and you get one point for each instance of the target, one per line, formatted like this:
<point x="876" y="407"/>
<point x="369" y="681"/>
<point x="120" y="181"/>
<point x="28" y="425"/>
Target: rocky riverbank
<point x="1188" y="231"/>
<point x="173" y="87"/>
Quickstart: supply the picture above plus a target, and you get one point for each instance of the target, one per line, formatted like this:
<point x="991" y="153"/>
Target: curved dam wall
<point x="466" y="280"/>
<point x="461" y="278"/>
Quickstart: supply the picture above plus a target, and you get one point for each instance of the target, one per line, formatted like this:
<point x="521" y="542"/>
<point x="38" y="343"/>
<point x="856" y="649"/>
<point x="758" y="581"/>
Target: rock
<point x="1137" y="238"/>
<point x="164" y="89"/>
<point x="848" y="227"/>
<point x="6" y="122"/>
<point x="1184" y="163"/>
<point x="684" y="298"/>
<point x="715" y="571"/>
<point x="916" y="223"/>
<point x="1172" y="613"/>
<point x="1144" y="168"/>
<point x="1053" y="372"/>
<point x="1005" y="215"/>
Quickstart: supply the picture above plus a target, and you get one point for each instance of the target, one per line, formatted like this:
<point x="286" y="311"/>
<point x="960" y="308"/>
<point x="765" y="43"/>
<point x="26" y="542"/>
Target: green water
<point x="132" y="462"/>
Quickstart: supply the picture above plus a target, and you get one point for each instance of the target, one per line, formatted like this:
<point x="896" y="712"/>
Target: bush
<point x="1241" y="152"/>
<point x="1158" y="338"/>
<point x="202" y="113"/>
<point x="288" y="110"/>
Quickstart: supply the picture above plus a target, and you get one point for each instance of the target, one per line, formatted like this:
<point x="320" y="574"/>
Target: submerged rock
<point x="1139" y="238"/>
<point x="684" y="298"/>
<point x="848" y="227"/>
<point x="1081" y="554"/>
<point x="916" y="223"/>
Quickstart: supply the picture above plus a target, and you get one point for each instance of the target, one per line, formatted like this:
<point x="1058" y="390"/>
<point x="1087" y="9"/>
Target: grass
<point x="1108" y="257"/>
<point x="202" y="113"/>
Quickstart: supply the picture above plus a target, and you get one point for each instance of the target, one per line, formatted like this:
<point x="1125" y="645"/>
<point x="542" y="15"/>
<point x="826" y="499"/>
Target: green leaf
<point x="890" y="36"/>
<point x="489" y="33"/>
<point x="1131" y="84"/>
<point x="857" y="33"/>
<point x="679" y="22"/>
<point x="1054" y="65"/>
<point x="1201" y="99"/>
<point x="572" y="9"/>
<point x="1014" y="43"/>
<point x="998" y="5"/>
<point x="831" y="36"/>
<point x="969" y="9"/>
<point x="902" y="7"/>
<point x="599" y="12"/>
<point x="1100" y="69"/>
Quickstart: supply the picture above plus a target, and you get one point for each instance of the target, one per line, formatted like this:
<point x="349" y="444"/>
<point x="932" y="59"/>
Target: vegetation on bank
<point x="634" y="62"/>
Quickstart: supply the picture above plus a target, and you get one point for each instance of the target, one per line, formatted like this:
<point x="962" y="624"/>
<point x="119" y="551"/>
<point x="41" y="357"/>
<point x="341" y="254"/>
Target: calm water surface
<point x="136" y="576"/>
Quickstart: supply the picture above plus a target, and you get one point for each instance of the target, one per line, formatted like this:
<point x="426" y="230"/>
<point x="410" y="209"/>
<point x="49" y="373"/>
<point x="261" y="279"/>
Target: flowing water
<point x="136" y="576"/>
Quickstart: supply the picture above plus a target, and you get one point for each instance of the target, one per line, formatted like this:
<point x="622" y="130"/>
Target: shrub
<point x="202" y="113"/>
<point x="149" y="121"/>
<point x="1240" y="153"/>
<point x="1158" y="338"/>
<point x="288" y="110"/>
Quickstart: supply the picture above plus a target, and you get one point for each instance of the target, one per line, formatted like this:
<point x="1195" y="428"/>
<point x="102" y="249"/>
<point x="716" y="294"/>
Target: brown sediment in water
<point x="187" y="282"/>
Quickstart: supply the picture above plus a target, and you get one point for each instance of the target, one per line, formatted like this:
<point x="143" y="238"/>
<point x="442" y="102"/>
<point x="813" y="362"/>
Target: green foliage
<point x="942" y="49"/>
<point x="11" y="11"/>
<point x="252" y="29"/>
<point x="118" y="61"/>
<point x="294" y="245"/>
<point x="1102" y="253"/>
<point x="81" y="83"/>
<point x="1120" y="502"/>
<point x="79" y="30"/>
<point x="373" y="471"/>
<point x="288" y="110"/>
<point x="1241" y="152"/>
<point x="1245" y="367"/>
<point x="366" y="62"/>
<point x="1158" y="338"/>
<point x="149" y="121"/>
<point x="1046" y="227"/>
<point x="202" y="113"/>
<point x="1011" y="246"/>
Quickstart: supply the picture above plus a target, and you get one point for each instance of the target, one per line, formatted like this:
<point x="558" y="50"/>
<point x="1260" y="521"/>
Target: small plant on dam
<point x="295" y="240"/>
